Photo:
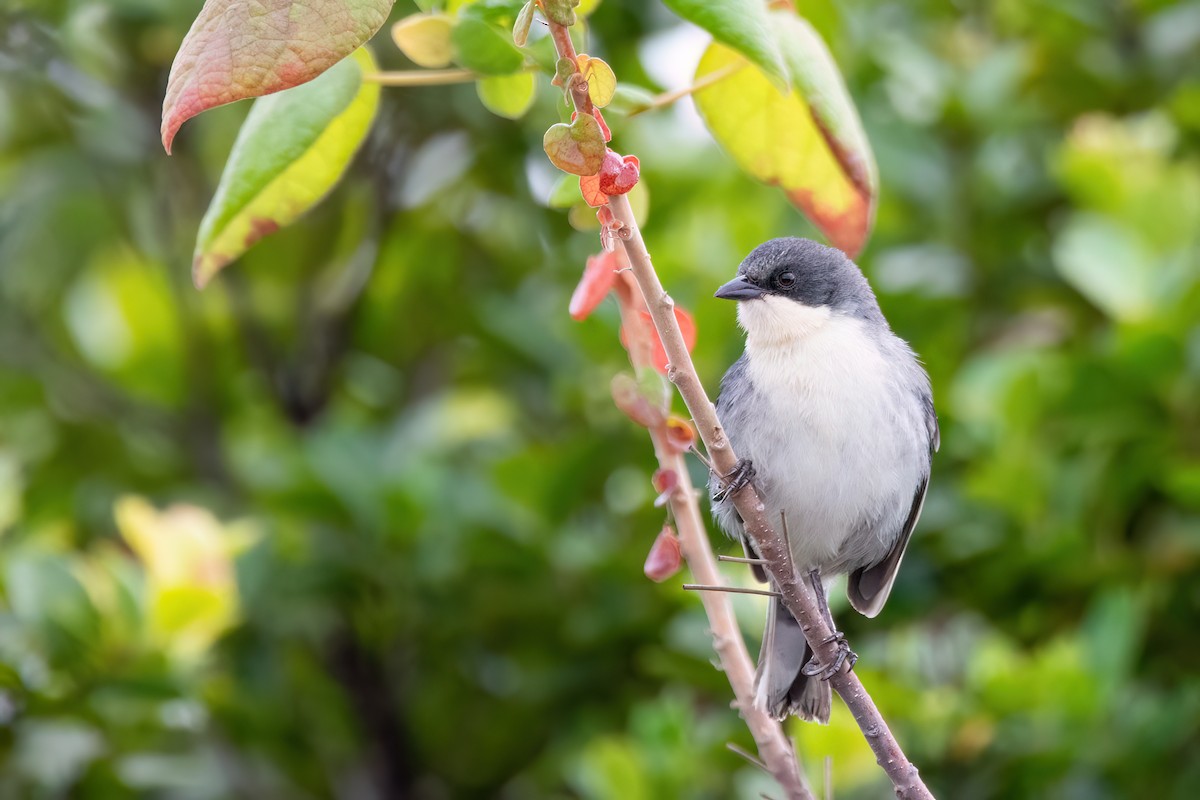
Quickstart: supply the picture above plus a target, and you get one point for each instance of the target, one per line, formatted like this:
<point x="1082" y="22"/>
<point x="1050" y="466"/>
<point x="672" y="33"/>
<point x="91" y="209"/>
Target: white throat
<point x="773" y="321"/>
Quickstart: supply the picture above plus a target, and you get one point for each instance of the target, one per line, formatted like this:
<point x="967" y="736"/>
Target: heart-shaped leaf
<point x="602" y="81"/>
<point x="577" y="148"/>
<point x="425" y="39"/>
<point x="237" y="49"/>
<point x="809" y="141"/>
<point x="292" y="149"/>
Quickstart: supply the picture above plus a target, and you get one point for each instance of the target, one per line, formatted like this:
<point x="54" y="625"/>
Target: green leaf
<point x="778" y="139"/>
<point x="522" y="25"/>
<point x="292" y="149"/>
<point x="561" y="12"/>
<point x="290" y="43"/>
<point x="1108" y="264"/>
<point x="565" y="193"/>
<point x="484" y="48"/>
<point x="741" y="24"/>
<point x="425" y="39"/>
<point x="507" y="95"/>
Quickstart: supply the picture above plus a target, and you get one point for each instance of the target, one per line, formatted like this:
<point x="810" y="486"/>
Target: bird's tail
<point x="780" y="687"/>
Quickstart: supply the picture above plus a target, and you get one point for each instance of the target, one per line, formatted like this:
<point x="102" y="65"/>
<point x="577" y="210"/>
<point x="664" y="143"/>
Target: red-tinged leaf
<point x="618" y="175"/>
<point x="598" y="278"/>
<point x="665" y="481"/>
<point x="577" y="148"/>
<point x="687" y="326"/>
<point x="808" y="140"/>
<point x="680" y="434"/>
<point x="589" y="187"/>
<point x="665" y="557"/>
<point x="603" y="125"/>
<point x="630" y="397"/>
<point x="238" y="49"/>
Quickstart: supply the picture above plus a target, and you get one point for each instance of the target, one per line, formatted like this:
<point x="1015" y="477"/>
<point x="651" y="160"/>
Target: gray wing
<point x="733" y="405"/>
<point x="868" y="587"/>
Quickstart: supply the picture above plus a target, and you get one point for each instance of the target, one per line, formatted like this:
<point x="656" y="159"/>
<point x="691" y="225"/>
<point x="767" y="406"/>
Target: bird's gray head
<point x="789" y="287"/>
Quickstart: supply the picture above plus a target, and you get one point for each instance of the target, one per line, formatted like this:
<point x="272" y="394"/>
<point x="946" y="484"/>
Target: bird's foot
<point x="738" y="478"/>
<point x="815" y="668"/>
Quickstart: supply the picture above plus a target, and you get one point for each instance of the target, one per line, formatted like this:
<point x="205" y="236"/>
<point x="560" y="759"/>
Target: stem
<point x="422" y="77"/>
<point x="774" y="747"/>
<point x="667" y="98"/>
<point x="797" y="596"/>
<point x="777" y="751"/>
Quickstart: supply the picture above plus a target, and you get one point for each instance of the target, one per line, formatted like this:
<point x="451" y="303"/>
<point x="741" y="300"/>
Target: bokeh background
<point x="361" y="521"/>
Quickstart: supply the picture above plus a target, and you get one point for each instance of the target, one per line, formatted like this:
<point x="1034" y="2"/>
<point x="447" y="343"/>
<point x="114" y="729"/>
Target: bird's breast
<point x="833" y="438"/>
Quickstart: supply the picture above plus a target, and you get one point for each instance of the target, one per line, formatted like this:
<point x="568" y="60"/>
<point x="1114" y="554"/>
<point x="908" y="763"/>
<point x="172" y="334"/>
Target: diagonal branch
<point x="778" y="754"/>
<point x="796" y="595"/>
<point x="776" y="750"/>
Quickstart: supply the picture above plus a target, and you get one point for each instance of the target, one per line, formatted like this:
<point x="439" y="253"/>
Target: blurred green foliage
<point x="381" y="442"/>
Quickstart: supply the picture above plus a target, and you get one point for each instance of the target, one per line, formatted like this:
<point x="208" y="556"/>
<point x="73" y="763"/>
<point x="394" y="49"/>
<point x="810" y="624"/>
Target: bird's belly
<point x="839" y="458"/>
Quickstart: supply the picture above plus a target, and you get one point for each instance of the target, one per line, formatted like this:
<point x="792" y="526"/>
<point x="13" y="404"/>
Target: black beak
<point x="739" y="289"/>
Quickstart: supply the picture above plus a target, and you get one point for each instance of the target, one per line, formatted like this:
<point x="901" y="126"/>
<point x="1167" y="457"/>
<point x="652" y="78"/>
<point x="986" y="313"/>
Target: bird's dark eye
<point x="786" y="280"/>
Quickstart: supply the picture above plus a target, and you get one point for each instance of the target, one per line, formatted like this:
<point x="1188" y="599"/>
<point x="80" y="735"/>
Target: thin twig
<point x="733" y="748"/>
<point x="697" y="587"/>
<point x="422" y="77"/>
<point x="741" y="560"/>
<point x="667" y="98"/>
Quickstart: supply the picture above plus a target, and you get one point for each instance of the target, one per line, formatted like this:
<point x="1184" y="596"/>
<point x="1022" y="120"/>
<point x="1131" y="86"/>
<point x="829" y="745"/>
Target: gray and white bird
<point x="833" y="416"/>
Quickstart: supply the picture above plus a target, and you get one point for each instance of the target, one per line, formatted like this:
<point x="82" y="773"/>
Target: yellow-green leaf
<point x="774" y="137"/>
<point x="522" y="25"/>
<point x="507" y="95"/>
<point x="602" y="82"/>
<point x="425" y="39"/>
<point x="292" y="149"/>
<point x="816" y="77"/>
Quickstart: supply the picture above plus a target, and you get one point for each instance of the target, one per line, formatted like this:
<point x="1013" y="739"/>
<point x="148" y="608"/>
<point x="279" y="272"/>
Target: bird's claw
<point x="815" y="668"/>
<point x="738" y="478"/>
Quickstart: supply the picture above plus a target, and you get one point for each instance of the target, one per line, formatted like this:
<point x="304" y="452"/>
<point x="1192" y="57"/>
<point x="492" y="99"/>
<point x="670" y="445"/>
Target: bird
<point x="832" y="418"/>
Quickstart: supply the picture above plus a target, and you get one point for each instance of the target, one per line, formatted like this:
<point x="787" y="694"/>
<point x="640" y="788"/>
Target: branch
<point x="431" y="77"/>
<point x="667" y="98"/>
<point x="778" y="753"/>
<point x="796" y="595"/>
<point x="422" y="77"/>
